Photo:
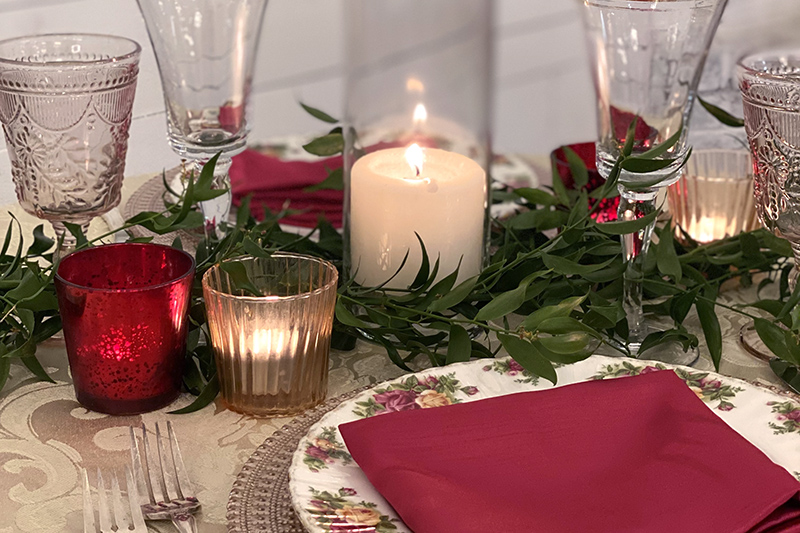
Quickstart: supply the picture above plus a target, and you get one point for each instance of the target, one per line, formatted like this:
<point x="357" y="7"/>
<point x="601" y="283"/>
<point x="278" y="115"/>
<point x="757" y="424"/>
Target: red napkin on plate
<point x="638" y="454"/>
<point x="272" y="181"/>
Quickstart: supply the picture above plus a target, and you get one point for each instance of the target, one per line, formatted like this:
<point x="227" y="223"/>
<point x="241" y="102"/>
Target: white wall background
<point x="543" y="95"/>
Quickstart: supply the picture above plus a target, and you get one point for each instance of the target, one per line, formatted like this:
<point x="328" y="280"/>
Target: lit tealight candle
<point x="397" y="192"/>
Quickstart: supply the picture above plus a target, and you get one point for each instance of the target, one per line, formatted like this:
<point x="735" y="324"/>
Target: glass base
<point x="670" y="352"/>
<point x="752" y="343"/>
<point x="125" y="407"/>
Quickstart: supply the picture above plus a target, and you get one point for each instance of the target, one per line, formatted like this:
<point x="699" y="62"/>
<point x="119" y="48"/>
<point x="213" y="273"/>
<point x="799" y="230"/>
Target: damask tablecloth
<point x="46" y="437"/>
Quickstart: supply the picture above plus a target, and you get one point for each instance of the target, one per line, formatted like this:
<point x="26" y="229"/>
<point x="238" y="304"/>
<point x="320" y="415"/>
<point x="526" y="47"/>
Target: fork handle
<point x="184" y="522"/>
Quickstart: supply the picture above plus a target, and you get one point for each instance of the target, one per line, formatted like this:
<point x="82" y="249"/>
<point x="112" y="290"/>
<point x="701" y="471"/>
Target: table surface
<point x="46" y="437"/>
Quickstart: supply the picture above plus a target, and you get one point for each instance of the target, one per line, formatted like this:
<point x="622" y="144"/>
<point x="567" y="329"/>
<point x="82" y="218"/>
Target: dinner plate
<point x="330" y="493"/>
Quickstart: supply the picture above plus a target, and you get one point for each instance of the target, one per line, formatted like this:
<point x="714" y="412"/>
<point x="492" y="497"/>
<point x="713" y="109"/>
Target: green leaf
<point x="207" y="396"/>
<point x="562" y="309"/>
<point x="645" y="166"/>
<point x="773" y="337"/>
<point x="327" y="145"/>
<point x="459" y="347"/>
<point x="424" y="268"/>
<point x="789" y="373"/>
<point x="567" y="343"/>
<point x="5" y="369"/>
<point x="624" y="227"/>
<point x="528" y="357"/>
<point x="77" y="232"/>
<point x="721" y="115"/>
<point x="453" y="297"/>
<point x="239" y="280"/>
<point x="41" y="243"/>
<point x="681" y="304"/>
<point x="321" y="115"/>
<point x="558" y="185"/>
<point x="506" y="302"/>
<point x="539" y="219"/>
<point x="334" y="181"/>
<point x="661" y="148"/>
<point x="36" y="368"/>
<point x="710" y="324"/>
<point x="536" y="196"/>
<point x="580" y="174"/>
<point x="347" y="318"/>
<point x="571" y="268"/>
<point x="666" y="257"/>
<point x="563" y="324"/>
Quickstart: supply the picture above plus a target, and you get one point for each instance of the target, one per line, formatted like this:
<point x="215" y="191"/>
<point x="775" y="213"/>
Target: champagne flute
<point x="647" y="57"/>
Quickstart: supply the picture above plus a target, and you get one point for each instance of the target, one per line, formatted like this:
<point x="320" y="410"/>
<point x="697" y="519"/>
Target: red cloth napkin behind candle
<point x="639" y="454"/>
<point x="272" y="181"/>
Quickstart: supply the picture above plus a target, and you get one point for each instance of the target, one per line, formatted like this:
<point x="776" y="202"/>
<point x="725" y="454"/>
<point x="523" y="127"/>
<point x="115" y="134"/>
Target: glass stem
<point x="66" y="241"/>
<point x="634" y="205"/>
<point x="216" y="211"/>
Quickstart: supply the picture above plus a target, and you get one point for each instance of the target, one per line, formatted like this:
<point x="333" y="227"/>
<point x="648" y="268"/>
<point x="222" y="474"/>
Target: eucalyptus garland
<point x="551" y="293"/>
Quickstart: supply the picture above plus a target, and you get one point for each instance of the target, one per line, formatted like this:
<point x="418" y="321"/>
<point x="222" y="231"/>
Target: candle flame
<point x="420" y="114"/>
<point x="415" y="157"/>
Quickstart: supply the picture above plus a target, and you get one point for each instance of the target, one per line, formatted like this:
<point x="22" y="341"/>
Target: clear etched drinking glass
<point x="65" y="107"/>
<point x="205" y="50"/>
<point x="646" y="57"/>
<point x="770" y="86"/>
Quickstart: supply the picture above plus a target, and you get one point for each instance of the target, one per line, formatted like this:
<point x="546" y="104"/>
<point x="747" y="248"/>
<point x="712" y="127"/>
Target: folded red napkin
<point x="272" y="182"/>
<point x="639" y="454"/>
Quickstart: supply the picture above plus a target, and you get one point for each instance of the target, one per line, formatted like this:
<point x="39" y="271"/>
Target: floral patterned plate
<point x="331" y="494"/>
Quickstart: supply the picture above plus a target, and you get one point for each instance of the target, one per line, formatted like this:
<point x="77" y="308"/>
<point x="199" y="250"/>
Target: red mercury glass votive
<point x="124" y="310"/>
<point x="607" y="210"/>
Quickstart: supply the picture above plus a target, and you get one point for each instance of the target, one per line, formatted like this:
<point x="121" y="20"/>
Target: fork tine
<point x="185" y="488"/>
<point x="120" y="515"/>
<point x="147" y="457"/>
<point x="142" y="472"/>
<point x="102" y="499"/>
<point x="162" y="472"/>
<point x="88" y="507"/>
<point x="133" y="500"/>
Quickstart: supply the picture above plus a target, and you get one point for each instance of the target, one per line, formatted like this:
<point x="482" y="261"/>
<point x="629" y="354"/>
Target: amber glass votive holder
<point x="271" y="349"/>
<point x="124" y="310"/>
<point x="713" y="199"/>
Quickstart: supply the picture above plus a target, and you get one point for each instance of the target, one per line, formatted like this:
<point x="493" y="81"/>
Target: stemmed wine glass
<point x="65" y="108"/>
<point x="770" y="87"/>
<point x="647" y="57"/>
<point x="205" y="50"/>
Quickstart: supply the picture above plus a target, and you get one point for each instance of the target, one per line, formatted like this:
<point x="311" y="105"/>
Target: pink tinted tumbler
<point x="124" y="309"/>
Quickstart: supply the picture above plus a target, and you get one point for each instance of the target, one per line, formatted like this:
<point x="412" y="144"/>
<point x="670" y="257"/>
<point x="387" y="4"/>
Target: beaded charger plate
<point x="330" y="493"/>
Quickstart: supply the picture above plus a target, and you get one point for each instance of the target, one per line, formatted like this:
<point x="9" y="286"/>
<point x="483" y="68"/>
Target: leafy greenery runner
<point x="564" y="287"/>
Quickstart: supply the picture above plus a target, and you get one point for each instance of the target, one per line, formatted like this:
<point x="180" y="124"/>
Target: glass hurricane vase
<point x="647" y="57"/>
<point x="65" y="108"/>
<point x="417" y="141"/>
<point x="205" y="50"/>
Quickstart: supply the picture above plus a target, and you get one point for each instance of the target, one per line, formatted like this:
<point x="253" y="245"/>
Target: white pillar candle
<point x="442" y="198"/>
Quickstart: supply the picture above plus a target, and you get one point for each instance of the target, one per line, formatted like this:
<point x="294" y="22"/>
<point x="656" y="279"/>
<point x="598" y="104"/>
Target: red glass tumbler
<point x="124" y="309"/>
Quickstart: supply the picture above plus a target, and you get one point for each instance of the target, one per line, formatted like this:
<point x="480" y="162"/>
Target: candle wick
<point x="417" y="168"/>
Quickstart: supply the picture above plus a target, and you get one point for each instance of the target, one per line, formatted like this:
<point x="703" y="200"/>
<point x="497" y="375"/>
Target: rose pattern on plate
<point x="325" y="449"/>
<point x="706" y="386"/>
<point x="509" y="367"/>
<point x="337" y="512"/>
<point x="414" y="393"/>
<point x="788" y="414"/>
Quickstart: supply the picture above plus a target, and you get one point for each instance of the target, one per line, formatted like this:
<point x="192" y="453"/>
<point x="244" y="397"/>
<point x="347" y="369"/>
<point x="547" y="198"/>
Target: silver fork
<point x="164" y="487"/>
<point x="113" y="519"/>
